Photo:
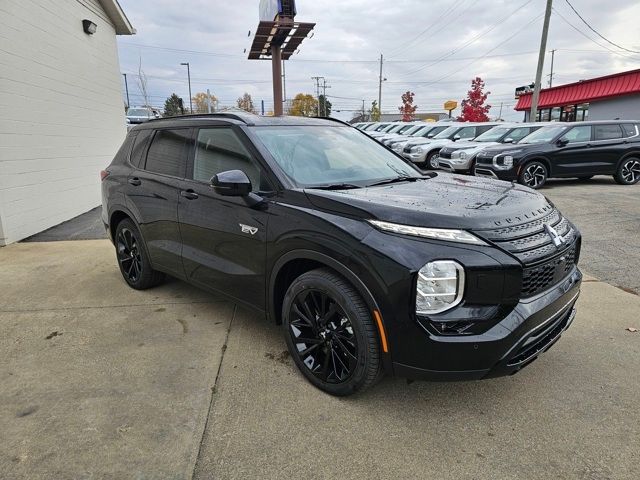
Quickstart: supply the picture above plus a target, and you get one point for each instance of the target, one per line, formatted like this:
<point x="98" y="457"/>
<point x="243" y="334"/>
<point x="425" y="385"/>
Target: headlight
<point x="508" y="161"/>
<point x="440" y="286"/>
<point x="459" y="236"/>
<point x="418" y="150"/>
<point x="463" y="155"/>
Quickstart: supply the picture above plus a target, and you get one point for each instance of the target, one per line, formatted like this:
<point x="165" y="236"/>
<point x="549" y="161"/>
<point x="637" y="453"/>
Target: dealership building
<point x="63" y="114"/>
<point x="611" y="97"/>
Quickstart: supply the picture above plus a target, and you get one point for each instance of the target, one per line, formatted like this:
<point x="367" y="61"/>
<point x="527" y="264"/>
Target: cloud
<point x="433" y="48"/>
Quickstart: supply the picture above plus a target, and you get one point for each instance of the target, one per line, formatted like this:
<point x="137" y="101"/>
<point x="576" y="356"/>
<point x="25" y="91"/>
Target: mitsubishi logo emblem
<point x="557" y="240"/>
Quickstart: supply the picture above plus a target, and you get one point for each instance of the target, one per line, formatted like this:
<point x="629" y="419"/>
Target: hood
<point x="505" y="147"/>
<point x="445" y="201"/>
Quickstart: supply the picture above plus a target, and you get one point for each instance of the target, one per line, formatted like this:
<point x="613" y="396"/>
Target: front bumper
<point x="455" y="164"/>
<point x="530" y="329"/>
<point x="484" y="170"/>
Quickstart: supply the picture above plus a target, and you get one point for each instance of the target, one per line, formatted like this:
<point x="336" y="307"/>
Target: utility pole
<point x="543" y="47"/>
<point x="276" y="69"/>
<point x="317" y="79"/>
<point x="553" y="54"/>
<point x="189" y="77"/>
<point x="324" y="97"/>
<point x="363" y="112"/>
<point x="284" y="83"/>
<point x="380" y="88"/>
<point x="126" y="87"/>
<point x="500" y="114"/>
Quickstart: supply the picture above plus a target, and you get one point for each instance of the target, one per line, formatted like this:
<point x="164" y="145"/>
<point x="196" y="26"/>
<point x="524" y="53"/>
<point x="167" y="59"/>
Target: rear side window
<point x="467" y="132"/>
<point x="483" y="129"/>
<point x="629" y="129"/>
<point x="168" y="152"/>
<point x="140" y="147"/>
<point x="519" y="133"/>
<point x="607" y="132"/>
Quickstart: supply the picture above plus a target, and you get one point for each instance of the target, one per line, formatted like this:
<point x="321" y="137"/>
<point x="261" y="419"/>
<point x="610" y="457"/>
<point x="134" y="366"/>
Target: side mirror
<point x="456" y="138"/>
<point x="562" y="142"/>
<point x="508" y="140"/>
<point x="232" y="183"/>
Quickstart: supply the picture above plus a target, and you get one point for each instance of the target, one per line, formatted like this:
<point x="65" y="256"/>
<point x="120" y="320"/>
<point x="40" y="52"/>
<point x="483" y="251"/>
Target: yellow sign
<point x="450" y="105"/>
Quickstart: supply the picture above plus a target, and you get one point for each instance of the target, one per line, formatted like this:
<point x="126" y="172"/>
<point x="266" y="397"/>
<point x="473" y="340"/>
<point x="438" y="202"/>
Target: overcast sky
<point x="433" y="48"/>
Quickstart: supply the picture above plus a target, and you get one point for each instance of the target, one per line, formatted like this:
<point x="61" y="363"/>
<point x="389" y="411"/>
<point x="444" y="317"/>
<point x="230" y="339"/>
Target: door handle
<point x="189" y="194"/>
<point x="135" y="181"/>
<point x="589" y="145"/>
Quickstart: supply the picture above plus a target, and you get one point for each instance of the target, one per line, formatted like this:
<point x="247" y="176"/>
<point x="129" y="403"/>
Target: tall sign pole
<point x="380" y="88"/>
<point x="276" y="69"/>
<point x="543" y="48"/>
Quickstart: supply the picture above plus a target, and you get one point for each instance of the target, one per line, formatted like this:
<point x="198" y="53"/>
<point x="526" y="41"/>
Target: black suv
<point x="369" y="265"/>
<point x="579" y="149"/>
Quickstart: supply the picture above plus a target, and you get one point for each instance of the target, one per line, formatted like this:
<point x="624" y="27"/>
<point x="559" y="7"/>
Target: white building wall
<point x="61" y="112"/>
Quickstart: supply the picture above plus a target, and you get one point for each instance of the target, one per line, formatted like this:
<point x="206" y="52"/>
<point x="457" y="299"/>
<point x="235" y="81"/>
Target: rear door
<point x="152" y="195"/>
<point x="607" y="147"/>
<point x="573" y="159"/>
<point x="223" y="238"/>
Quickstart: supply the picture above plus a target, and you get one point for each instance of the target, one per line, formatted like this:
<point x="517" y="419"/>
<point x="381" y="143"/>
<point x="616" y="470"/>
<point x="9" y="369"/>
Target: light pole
<point x="189" y="77"/>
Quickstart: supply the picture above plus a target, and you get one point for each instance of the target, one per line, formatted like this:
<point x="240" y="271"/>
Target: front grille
<point x="444" y="154"/>
<point x="544" y="263"/>
<point x="407" y="149"/>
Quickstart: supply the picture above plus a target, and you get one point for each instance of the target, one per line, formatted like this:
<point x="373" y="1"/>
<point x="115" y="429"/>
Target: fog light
<point x="440" y="287"/>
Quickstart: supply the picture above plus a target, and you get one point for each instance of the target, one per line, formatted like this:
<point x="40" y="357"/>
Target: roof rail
<point x="234" y="116"/>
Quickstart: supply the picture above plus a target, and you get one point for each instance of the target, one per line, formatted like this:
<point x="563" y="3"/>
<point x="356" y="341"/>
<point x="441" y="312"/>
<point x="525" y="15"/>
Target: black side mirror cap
<point x="231" y="183"/>
<point x="562" y="142"/>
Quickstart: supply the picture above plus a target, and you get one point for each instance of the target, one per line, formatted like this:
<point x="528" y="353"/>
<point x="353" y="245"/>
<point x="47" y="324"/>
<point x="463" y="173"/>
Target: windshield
<point x="412" y="130"/>
<point x="324" y="155"/>
<point x="493" y="135"/>
<point x="382" y="127"/>
<point x="138" y="112"/>
<point x="544" y="135"/>
<point x="431" y="131"/>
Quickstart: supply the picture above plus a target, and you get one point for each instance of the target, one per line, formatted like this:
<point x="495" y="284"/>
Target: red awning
<point x="585" y="91"/>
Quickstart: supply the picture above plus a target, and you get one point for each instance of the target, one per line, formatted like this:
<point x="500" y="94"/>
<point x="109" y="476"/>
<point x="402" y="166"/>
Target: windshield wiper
<point x="336" y="186"/>
<point x="401" y="178"/>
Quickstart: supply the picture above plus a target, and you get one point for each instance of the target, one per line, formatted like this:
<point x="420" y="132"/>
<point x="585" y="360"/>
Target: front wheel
<point x="330" y="333"/>
<point x="432" y="161"/>
<point x="628" y="172"/>
<point x="533" y="175"/>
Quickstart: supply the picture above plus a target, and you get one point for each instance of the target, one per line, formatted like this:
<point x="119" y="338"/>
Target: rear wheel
<point x="330" y="333"/>
<point x="133" y="258"/>
<point x="533" y="175"/>
<point x="628" y="172"/>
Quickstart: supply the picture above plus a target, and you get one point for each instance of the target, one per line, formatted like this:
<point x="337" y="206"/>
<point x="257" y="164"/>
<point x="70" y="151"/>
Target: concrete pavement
<point x="101" y="381"/>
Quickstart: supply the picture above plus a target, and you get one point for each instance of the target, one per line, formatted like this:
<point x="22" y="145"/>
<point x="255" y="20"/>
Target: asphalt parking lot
<point x="101" y="381"/>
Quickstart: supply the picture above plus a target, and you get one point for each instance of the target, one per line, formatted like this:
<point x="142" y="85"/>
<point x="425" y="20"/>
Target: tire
<point x="341" y="354"/>
<point x="628" y="172"/>
<point x="428" y="164"/>
<point x="133" y="259"/>
<point x="584" y="178"/>
<point x="533" y="175"/>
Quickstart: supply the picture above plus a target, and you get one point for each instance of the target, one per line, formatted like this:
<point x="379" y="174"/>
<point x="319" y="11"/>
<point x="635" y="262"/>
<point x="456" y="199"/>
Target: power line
<point x="596" y="32"/>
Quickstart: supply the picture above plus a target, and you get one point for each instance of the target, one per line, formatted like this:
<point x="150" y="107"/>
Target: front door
<point x="573" y="159"/>
<point x="224" y="239"/>
<point x="152" y="195"/>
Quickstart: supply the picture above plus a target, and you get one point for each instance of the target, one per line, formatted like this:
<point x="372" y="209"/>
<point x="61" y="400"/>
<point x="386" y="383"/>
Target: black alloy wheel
<point x="533" y="175"/>
<point x="133" y="259"/>
<point x="330" y="333"/>
<point x="628" y="172"/>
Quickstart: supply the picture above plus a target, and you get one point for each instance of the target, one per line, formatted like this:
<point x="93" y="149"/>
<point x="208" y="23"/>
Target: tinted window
<point x="578" y="134"/>
<point x="629" y="129"/>
<point x="168" y="152"/>
<point x="139" y="147"/>
<point x="483" y="128"/>
<point x="219" y="150"/>
<point x="123" y="152"/>
<point x="466" y="132"/>
<point x="607" y="132"/>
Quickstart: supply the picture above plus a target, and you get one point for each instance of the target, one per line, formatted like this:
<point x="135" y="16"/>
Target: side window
<point x="607" y="132"/>
<point x="629" y="129"/>
<point x="518" y="134"/>
<point x="168" y="152"/>
<point x="122" y="155"/>
<point x="578" y="134"/>
<point x="139" y="147"/>
<point x="482" y="129"/>
<point x="219" y="150"/>
<point x="467" y="132"/>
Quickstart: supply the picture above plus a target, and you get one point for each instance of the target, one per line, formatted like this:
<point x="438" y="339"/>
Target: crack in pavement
<point x="213" y="392"/>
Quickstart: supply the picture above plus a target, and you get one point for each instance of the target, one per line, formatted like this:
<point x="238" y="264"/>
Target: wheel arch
<point x="116" y="215"/>
<point x="544" y="160"/>
<point x="626" y="156"/>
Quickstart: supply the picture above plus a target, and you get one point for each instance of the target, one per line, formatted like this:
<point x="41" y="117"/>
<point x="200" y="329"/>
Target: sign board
<point x="450" y="105"/>
<point x="524" y="89"/>
<point x="270" y="10"/>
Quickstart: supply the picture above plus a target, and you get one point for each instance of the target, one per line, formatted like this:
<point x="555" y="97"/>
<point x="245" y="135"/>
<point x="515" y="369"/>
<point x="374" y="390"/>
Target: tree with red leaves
<point x="408" y="109"/>
<point x="473" y="107"/>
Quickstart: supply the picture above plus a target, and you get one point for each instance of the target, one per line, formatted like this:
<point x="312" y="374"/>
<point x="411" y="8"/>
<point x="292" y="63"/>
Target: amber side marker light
<point x="383" y="336"/>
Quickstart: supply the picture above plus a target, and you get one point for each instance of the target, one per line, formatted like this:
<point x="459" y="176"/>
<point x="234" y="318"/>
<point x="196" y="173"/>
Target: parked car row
<point x="529" y="153"/>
